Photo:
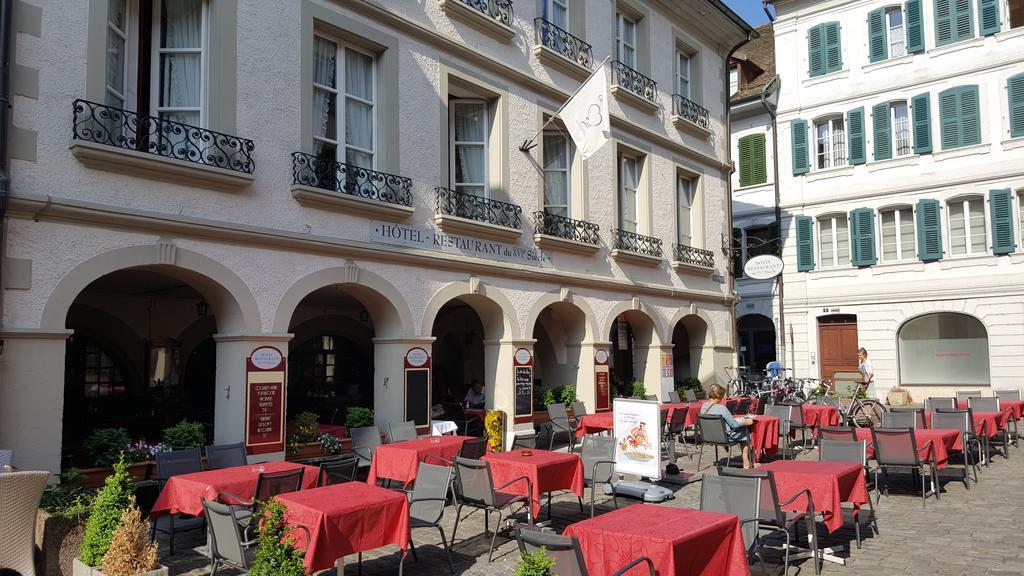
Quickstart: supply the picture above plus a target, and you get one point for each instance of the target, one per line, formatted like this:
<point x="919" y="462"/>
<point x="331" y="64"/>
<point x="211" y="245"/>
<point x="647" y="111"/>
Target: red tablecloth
<point x="1013" y="408"/>
<point x="548" y="471"/>
<point x="672" y="407"/>
<point x="830" y="483"/>
<point x="942" y="440"/>
<point x="820" y="415"/>
<point x="183" y="493"/>
<point x="400" y="460"/>
<point x="691" y="415"/>
<point x="594" y="423"/>
<point x="346" y="518"/>
<point x="985" y="423"/>
<point x="764" y="435"/>
<point x="679" y="541"/>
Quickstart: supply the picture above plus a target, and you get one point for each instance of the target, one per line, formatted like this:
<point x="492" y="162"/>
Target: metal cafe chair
<point x="474" y="487"/>
<point x="847" y="451"/>
<point x="690" y="395"/>
<point x="843" y="433"/>
<point x="559" y="424"/>
<point x="338" y="470"/>
<point x="171" y="463"/>
<point x="673" y="397"/>
<point x="714" y="431"/>
<point x="474" y="448"/>
<point x="566" y="551"/>
<point x="427" y="502"/>
<point x="963" y="421"/>
<point x="598" y="456"/>
<point x="364" y="441"/>
<point x="963" y="395"/>
<point x="268" y="485"/>
<point x="944" y="402"/>
<point x="991" y="404"/>
<point x="897" y="448"/>
<point x="225" y="456"/>
<point x="903" y="419"/>
<point x="232" y="540"/>
<point x="524" y="440"/>
<point x="402" y="432"/>
<point x="785" y="414"/>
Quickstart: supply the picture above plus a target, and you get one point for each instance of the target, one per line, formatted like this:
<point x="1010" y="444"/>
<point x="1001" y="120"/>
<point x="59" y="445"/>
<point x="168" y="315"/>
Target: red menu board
<point x="265" y="401"/>
<point x="602" y="383"/>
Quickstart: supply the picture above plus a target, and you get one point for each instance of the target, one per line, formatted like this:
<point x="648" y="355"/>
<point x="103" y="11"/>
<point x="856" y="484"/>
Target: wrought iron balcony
<point x="562" y="42"/>
<point x="693" y="256"/>
<point x="127" y="130"/>
<point x="562" y="227"/>
<point x="629" y="79"/>
<point x="691" y="111"/>
<point x="500" y="10"/>
<point x="309" y="170"/>
<point x="636" y="243"/>
<point x="479" y="208"/>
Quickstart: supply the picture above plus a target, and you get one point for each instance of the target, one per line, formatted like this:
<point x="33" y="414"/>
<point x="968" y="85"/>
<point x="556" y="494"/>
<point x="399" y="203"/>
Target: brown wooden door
<point x="837" y="343"/>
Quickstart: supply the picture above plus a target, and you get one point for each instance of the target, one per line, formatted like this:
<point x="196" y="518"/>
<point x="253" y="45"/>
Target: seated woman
<point x="738" y="431"/>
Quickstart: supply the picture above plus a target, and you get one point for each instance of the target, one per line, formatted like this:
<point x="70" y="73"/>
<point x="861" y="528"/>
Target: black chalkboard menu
<point x="524" y="390"/>
<point x="417" y="396"/>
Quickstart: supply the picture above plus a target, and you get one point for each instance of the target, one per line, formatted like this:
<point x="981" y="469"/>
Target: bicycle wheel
<point x="867" y="413"/>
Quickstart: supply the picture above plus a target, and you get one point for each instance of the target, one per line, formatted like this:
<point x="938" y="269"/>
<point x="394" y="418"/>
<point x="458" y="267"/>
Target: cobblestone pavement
<point x="976" y="532"/>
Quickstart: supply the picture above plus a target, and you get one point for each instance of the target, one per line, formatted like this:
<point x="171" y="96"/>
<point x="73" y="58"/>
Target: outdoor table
<point x="594" y="423"/>
<point x="942" y="440"/>
<point x="443" y="427"/>
<point x="691" y="415"/>
<point x="183" y="493"/>
<point x="986" y="424"/>
<point x="680" y="542"/>
<point x="1014" y="408"/>
<point x="400" y="460"/>
<point x="764" y="435"/>
<point x="830" y="483"/>
<point x="548" y="472"/>
<point x="346" y="518"/>
<point x="816" y="415"/>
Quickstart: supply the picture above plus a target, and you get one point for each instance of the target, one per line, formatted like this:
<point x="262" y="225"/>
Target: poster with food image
<point x="638" y="437"/>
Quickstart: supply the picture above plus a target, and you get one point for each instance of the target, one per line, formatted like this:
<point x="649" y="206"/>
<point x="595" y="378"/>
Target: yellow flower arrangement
<point x="494" y="425"/>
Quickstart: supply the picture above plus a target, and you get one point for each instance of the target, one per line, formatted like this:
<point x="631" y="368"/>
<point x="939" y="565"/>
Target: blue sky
<point x="750" y="10"/>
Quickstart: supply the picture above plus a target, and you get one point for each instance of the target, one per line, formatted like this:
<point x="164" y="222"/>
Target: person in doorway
<point x="738" y="429"/>
<point x="867" y="371"/>
<point x="475" y="394"/>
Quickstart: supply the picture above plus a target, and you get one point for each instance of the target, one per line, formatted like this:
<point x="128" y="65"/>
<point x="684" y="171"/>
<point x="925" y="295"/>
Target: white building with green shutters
<point x="901" y="161"/>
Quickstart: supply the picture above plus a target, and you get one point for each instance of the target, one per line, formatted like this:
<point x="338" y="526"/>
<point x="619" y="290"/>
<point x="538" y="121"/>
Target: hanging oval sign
<point x="763" y="267"/>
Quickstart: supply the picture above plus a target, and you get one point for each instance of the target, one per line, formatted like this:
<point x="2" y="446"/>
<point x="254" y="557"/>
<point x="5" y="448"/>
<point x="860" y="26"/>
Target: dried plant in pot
<point x="130" y="552"/>
<point x="898" y="396"/>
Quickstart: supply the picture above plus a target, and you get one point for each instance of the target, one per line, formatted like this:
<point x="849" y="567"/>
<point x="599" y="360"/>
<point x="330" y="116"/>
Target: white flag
<point x="586" y="114"/>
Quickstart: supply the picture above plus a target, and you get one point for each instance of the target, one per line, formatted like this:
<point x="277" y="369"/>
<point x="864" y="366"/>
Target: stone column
<point x="652" y="370"/>
<point x="389" y="377"/>
<point x="499" y="372"/>
<point x="586" y="383"/>
<point x="32" y="396"/>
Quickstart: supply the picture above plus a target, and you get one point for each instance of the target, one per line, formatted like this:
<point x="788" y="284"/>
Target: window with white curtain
<point x="682" y="74"/>
<point x="117" y="47"/>
<point x="831" y="143"/>
<point x="344" y="77"/>
<point x="967" y="226"/>
<point x="1020" y="213"/>
<point x="897" y="35"/>
<point x="684" y="205"/>
<point x="900" y="121"/>
<point x="557" y="157"/>
<point x="179" y="58"/>
<point x="557" y="12"/>
<point x="834" y="241"/>
<point x="734" y="80"/>
<point x="625" y="40"/>
<point x="629" y="180"/>
<point x="467" y="136"/>
<point x="898" y="240"/>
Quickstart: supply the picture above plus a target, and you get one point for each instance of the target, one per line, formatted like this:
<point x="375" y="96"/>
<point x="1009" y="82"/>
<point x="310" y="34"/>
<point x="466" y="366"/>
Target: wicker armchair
<point x="19" y="500"/>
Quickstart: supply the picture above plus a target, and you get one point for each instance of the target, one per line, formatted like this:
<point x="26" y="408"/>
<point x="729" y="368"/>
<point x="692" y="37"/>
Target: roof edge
<point x="735" y="18"/>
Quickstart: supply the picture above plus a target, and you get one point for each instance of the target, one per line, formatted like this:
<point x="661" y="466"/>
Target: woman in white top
<point x="867" y="371"/>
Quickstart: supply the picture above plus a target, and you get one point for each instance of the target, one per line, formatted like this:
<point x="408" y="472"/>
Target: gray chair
<point x="713" y="430"/>
<point x="1007" y="394"/>
<point x="673" y="396"/>
<point x="673" y="432"/>
<point x="739" y="496"/>
<point x="841" y="433"/>
<point x="338" y="470"/>
<point x="427" y="502"/>
<point x="963" y="421"/>
<point x="566" y="552"/>
<point x="650" y="396"/>
<point x="785" y="415"/>
<point x="525" y="441"/>
<point x="903" y="419"/>
<point x="847" y="451"/>
<point x="896" y="448"/>
<point x="962" y="395"/>
<point x="559" y="424"/>
<point x="402" y="432"/>
<point x="796" y="422"/>
<point x="6" y="457"/>
<point x="1001" y="437"/>
<point x="579" y="409"/>
<point x="598" y="457"/>
<point x="268" y="485"/>
<point x="232" y="539"/>
<point x="690" y="395"/>
<point x="474" y="488"/>
<point x="473" y="449"/>
<point x="983" y="404"/>
<point x="172" y="463"/>
<point x="364" y="441"/>
<point x="225" y="456"/>
<point x="944" y="402"/>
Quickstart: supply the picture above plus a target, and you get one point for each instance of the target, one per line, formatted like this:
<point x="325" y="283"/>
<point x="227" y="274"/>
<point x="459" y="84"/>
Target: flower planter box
<point x="313" y="450"/>
<point x="898" y="398"/>
<point x="94" y="477"/>
<point x="82" y="569"/>
<point x="58" y="540"/>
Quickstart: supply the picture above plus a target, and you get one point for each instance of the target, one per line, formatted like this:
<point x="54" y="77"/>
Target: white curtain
<point x="470" y="135"/>
<point x="324" y="125"/>
<point x="628" y="194"/>
<point x="685" y="203"/>
<point x="359" y="107"/>
<point x="115" y="53"/>
<point x="182" y="24"/>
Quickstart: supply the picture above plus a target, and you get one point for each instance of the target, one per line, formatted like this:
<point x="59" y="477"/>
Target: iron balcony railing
<point x="309" y="170"/>
<point x="562" y="227"/>
<point x="635" y="82"/>
<point x="500" y="10"/>
<point x="479" y="208"/>
<point x="693" y="256"/>
<point x="691" y="111"/>
<point x="636" y="243"/>
<point x="568" y="46"/>
<point x="127" y="130"/>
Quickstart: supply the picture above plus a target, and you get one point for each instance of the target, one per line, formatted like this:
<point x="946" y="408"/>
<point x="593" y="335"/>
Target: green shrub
<point x="184" y="435"/>
<point x="639" y="390"/>
<point x="567" y="394"/>
<point x="692" y="383"/>
<point x="106" y="444"/>
<point x="547" y="396"/>
<point x="356" y="417"/>
<point x="307" y="429"/>
<point x="67" y="499"/>
<point x="111" y="501"/>
<point x="276" y="555"/>
<point x="535" y="564"/>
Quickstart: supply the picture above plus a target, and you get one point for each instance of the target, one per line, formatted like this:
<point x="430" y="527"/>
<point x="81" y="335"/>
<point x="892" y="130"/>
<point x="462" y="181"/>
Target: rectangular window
<point x="834" y="241"/>
<point x="625" y="40"/>
<point x="1020" y="214"/>
<point x="761" y="240"/>
<point x="897" y="34"/>
<point x="629" y="180"/>
<point x="898" y="241"/>
<point x="831" y="143"/>
<point x="117" y="44"/>
<point x="684" y="204"/>
<point x="954" y="21"/>
<point x="1016" y="8"/>
<point x="467" y="135"/>
<point x="557" y="12"/>
<point x="683" y="74"/>
<point x="960" y="117"/>
<point x="901" y="128"/>
<point x="180" y="60"/>
<point x="342" y="73"/>
<point x="734" y="80"/>
<point x="557" y="155"/>
<point x="967" y="227"/>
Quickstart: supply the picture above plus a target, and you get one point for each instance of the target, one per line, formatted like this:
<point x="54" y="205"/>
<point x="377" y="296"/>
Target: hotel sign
<point x="763" y="267"/>
<point x="433" y="239"/>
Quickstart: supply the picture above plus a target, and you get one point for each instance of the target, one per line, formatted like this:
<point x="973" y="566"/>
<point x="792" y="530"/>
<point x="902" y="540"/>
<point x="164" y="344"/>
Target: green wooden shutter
<point x="915" y="26"/>
<point x="949" y="118"/>
<point x="1001" y="209"/>
<point x="929" y="230"/>
<point x="988" y="17"/>
<point x="959" y="117"/>
<point x="943" y="22"/>
<point x="922" y="118"/>
<point x="804" y="243"/>
<point x="833" y="47"/>
<point x="856" y="141"/>
<point x="758" y="160"/>
<point x="745" y="160"/>
<point x="737" y="252"/>
<point x="862" y="237"/>
<point x="882" y="131"/>
<point x="815" y="51"/>
<point x="801" y="161"/>
<point x="878" y="48"/>
<point x="1015" y="91"/>
<point x="970" y="115"/>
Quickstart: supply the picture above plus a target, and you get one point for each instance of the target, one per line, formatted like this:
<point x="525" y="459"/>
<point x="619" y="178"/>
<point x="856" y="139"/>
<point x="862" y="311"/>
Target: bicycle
<point x="860" y="412"/>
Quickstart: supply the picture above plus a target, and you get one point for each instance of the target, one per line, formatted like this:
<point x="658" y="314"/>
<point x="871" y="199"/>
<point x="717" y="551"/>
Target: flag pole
<point x="531" y="143"/>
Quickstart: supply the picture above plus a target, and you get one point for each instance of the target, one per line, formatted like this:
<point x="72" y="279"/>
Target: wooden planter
<point x="57" y="543"/>
<point x="94" y="477"/>
<point x="898" y="397"/>
<point x="82" y="569"/>
<point x="313" y="450"/>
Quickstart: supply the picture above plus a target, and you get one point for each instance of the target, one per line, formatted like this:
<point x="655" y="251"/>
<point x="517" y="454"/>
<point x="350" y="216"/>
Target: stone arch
<point x="386" y="305"/>
<point x="640" y="311"/>
<point x="550" y="298"/>
<point x="702" y="314"/>
<point x="495" y="310"/>
<point x="227" y="294"/>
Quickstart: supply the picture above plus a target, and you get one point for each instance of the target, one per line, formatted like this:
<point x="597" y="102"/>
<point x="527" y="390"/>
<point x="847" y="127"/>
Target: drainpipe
<point x="6" y="39"/>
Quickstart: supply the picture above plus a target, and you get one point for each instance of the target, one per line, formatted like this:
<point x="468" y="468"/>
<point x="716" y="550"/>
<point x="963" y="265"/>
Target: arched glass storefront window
<point x="944" y="348"/>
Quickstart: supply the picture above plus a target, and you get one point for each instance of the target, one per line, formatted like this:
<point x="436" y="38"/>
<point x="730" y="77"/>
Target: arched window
<point x="97" y="372"/>
<point x="944" y="348"/>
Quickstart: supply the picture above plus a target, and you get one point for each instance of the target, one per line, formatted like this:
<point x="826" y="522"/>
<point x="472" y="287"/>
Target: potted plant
<point x="184" y="435"/>
<point x="60" y="524"/>
<point x="691" y="383"/>
<point x="105" y="446"/>
<point x="535" y="564"/>
<point x="638" y="389"/>
<point x="277" y="554"/>
<point x="898" y="396"/>
<point x="131" y="553"/>
<point x="302" y="441"/>
<point x="358" y="417"/>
